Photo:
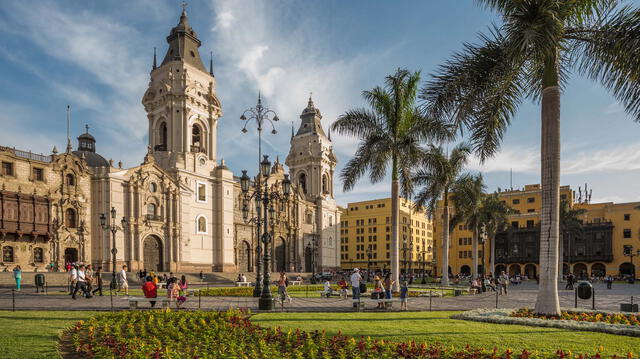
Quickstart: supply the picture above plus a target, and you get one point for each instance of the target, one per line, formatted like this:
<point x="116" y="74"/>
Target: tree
<point x="468" y="197"/>
<point x="530" y="55"/>
<point x="495" y="218"/>
<point x="570" y="224"/>
<point x="390" y="133"/>
<point x="438" y="173"/>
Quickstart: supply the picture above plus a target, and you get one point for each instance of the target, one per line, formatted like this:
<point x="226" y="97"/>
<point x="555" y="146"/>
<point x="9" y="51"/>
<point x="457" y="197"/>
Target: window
<point x="7" y="168"/>
<point x="38" y="255"/>
<point x="70" y="218"/>
<point x="627" y="217"/>
<point x="530" y="224"/>
<point x="514" y="224"/>
<point x="153" y="187"/>
<point x="531" y="210"/>
<point x="202" y="192"/>
<point x="627" y="233"/>
<point x="563" y="196"/>
<point x="195" y="135"/>
<point x="7" y="254"/>
<point x="202" y="224"/>
<point x="38" y="174"/>
<point x="151" y="209"/>
<point x="325" y="184"/>
<point x="531" y="200"/>
<point x="516" y="201"/>
<point x="70" y="179"/>
<point x="302" y="181"/>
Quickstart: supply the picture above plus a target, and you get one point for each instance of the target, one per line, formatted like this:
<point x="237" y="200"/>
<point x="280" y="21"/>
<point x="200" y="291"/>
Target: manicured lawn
<point x="34" y="334"/>
<point x="436" y="327"/>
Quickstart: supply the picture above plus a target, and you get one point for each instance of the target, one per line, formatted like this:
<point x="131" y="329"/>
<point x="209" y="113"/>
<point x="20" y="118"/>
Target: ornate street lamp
<point x="259" y="114"/>
<point x="113" y="227"/>
<point x="312" y="250"/>
<point x="369" y="254"/>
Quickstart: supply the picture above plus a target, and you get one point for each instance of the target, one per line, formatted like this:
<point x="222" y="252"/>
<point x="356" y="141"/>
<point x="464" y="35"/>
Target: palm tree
<point x="438" y="174"/>
<point x="468" y="197"/>
<point x="530" y="55"/>
<point x="390" y="133"/>
<point x="570" y="224"/>
<point x="495" y="218"/>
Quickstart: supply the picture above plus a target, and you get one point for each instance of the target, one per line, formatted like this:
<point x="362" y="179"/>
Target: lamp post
<point x="113" y="227"/>
<point x="423" y="258"/>
<point x="628" y="252"/>
<point x="404" y="257"/>
<point x="268" y="218"/>
<point x="312" y="249"/>
<point x="369" y="254"/>
<point x="259" y="114"/>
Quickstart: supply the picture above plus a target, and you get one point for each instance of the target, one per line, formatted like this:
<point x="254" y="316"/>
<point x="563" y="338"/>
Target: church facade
<point x="180" y="209"/>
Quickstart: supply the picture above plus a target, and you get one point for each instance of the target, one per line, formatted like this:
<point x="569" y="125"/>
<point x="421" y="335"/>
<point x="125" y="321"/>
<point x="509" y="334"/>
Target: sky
<point x="96" y="57"/>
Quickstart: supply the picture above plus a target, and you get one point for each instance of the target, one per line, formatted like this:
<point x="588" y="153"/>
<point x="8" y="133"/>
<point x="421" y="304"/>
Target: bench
<point x="296" y="282"/>
<point x="243" y="284"/>
<point x="359" y="305"/>
<point x="133" y="301"/>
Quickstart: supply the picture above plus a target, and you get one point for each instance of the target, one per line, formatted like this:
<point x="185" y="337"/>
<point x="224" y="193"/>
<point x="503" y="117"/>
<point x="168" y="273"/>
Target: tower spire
<point x="154" y="59"/>
<point x="68" y="129"/>
<point x="211" y="64"/>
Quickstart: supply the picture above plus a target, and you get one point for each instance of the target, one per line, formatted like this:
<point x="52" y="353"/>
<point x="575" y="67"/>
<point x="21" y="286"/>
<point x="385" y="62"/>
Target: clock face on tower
<point x="202" y="161"/>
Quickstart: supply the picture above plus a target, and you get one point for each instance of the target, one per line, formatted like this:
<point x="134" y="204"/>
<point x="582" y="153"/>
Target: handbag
<point x="363" y="287"/>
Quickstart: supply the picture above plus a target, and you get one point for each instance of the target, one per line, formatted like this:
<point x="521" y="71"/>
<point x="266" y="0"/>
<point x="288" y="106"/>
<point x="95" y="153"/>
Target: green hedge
<point x="184" y="334"/>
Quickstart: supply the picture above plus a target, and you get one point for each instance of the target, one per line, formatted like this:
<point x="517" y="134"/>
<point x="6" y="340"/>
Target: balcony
<point x="198" y="149"/>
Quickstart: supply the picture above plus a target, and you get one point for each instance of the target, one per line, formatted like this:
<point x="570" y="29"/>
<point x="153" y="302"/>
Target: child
<point x="404" y="294"/>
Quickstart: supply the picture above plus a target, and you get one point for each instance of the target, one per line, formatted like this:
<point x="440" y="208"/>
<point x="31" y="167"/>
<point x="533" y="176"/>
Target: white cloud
<point x="224" y="19"/>
<point x="518" y="159"/>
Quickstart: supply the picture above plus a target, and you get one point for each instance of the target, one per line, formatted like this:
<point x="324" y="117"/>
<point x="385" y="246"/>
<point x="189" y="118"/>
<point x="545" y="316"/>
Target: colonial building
<point x="179" y="210"/>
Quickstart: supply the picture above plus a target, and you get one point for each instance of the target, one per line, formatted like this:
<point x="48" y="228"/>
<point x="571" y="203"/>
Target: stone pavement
<point x="519" y="296"/>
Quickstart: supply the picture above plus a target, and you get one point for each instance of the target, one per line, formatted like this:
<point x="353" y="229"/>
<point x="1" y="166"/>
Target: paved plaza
<point x="522" y="295"/>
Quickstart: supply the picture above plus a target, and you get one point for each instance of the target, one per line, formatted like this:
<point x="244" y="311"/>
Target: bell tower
<point x="182" y="106"/>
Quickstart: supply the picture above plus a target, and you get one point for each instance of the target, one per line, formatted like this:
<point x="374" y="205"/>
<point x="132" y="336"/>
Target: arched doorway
<point x="626" y="268"/>
<point x="244" y="257"/>
<point x="281" y="255"/>
<point x="152" y="253"/>
<point x="598" y="270"/>
<point x="514" y="269"/>
<point x="580" y="270"/>
<point x="500" y="268"/>
<point x="530" y="271"/>
<point x="465" y="270"/>
<point x="70" y="255"/>
<point x="565" y="269"/>
<point x="308" y="260"/>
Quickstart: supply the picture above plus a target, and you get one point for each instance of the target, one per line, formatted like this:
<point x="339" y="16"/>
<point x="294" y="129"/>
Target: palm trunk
<point x="560" y="257"/>
<point x="492" y="259"/>
<point x="445" y="240"/>
<point x="547" y="301"/>
<point x="395" y="214"/>
<point x="474" y="254"/>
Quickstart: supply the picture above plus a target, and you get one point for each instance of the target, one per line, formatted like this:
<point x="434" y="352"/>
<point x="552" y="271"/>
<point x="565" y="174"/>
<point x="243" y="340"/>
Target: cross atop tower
<point x="184" y="6"/>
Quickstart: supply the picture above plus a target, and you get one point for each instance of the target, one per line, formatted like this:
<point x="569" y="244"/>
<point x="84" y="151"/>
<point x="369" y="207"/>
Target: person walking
<point x="73" y="279"/>
<point x="356" y="278"/>
<point x="81" y="284"/>
<point x="570" y="281"/>
<point x="17" y="275"/>
<point x="150" y="290"/>
<point x="122" y="281"/>
<point x="609" y="281"/>
<point x="342" y="284"/>
<point x="378" y="292"/>
<point x="97" y="277"/>
<point x="201" y="276"/>
<point x="388" y="283"/>
<point x="404" y="295"/>
<point x="282" y="287"/>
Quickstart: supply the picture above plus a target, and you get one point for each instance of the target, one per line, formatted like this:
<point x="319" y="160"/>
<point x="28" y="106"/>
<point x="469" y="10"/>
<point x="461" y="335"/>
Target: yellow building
<point x="365" y="236"/>
<point x="607" y="228"/>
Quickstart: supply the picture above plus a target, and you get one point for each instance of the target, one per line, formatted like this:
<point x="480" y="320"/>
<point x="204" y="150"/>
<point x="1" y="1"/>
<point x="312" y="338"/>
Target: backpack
<point x="363" y="287"/>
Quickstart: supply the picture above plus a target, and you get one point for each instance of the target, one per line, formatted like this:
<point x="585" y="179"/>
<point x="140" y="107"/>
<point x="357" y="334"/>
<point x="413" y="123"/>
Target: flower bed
<point x="582" y="316"/>
<point x="156" y="334"/>
<point x="507" y="316"/>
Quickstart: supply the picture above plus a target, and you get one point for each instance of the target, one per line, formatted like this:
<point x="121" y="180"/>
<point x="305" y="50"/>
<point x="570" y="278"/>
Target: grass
<point x="437" y="327"/>
<point x="34" y="334"/>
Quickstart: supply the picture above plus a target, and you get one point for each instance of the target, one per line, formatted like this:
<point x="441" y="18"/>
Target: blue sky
<point x="97" y="56"/>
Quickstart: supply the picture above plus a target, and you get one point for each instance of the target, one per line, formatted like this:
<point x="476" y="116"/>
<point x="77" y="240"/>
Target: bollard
<point x="576" y="302"/>
<point x="593" y="296"/>
<point x="497" y="293"/>
<point x="111" y="298"/>
<point x="199" y="296"/>
<point x="430" y="296"/>
<point x="13" y="299"/>
<point x="46" y="288"/>
<point x="307" y="290"/>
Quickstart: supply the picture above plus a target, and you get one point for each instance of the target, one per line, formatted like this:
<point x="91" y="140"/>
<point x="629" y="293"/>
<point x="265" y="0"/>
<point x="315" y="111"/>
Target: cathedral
<point x="181" y="208"/>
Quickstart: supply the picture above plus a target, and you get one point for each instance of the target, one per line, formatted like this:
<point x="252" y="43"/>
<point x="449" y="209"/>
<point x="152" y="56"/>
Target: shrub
<point x="184" y="334"/>
<point x="595" y="317"/>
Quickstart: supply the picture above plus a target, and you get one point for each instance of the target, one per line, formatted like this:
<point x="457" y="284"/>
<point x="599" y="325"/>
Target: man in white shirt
<point x="81" y="283"/>
<point x="122" y="280"/>
<point x="356" y="278"/>
<point x="73" y="279"/>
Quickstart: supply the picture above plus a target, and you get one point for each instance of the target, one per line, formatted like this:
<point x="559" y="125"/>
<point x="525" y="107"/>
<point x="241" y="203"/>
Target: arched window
<point x="7" y="254"/>
<point x="70" y="218"/>
<point x="202" y="224"/>
<point x="151" y="209"/>
<point x="38" y="255"/>
<point x="325" y="184"/>
<point x="70" y="179"/>
<point x="196" y="135"/>
<point x="302" y="181"/>
<point x="163" y="133"/>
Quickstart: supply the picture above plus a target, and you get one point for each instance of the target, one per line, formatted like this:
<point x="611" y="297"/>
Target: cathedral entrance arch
<point x="244" y="257"/>
<point x="70" y="255"/>
<point x="152" y="253"/>
<point x="281" y="255"/>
